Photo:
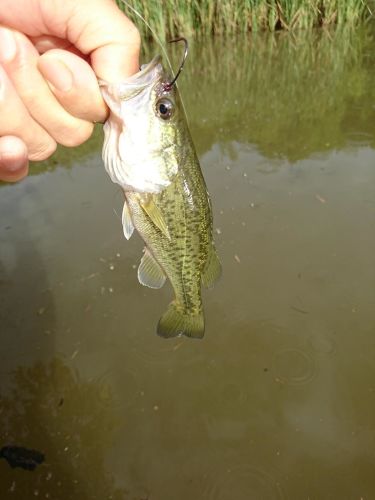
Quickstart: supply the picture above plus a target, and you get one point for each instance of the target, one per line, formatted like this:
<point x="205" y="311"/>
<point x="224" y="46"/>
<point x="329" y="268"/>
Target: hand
<point x="51" y="54"/>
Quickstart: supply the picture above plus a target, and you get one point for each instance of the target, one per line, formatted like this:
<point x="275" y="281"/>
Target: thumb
<point x="100" y="29"/>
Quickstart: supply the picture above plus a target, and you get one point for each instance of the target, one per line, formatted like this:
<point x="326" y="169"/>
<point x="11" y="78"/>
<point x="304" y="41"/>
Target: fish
<point x="149" y="152"/>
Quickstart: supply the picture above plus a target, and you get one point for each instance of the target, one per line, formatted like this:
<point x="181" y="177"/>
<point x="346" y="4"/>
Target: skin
<point x="51" y="54"/>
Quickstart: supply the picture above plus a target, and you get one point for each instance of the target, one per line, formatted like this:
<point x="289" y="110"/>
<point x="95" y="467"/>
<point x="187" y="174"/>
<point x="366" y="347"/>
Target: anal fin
<point x="149" y="272"/>
<point x="212" y="270"/>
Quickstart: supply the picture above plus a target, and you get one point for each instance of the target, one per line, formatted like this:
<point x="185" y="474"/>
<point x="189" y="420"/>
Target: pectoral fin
<point x="149" y="272"/>
<point x="212" y="270"/>
<point x="155" y="215"/>
<point x="127" y="223"/>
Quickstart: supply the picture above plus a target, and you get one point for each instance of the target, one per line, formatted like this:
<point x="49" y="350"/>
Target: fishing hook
<point x="169" y="85"/>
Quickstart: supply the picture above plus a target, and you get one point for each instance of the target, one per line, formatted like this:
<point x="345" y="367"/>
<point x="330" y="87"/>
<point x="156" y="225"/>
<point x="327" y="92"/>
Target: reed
<point x="207" y="17"/>
<point x="288" y="95"/>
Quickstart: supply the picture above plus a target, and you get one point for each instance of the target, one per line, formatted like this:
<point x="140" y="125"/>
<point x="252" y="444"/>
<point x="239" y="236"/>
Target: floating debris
<point x="320" y="198"/>
<point x="89" y="277"/>
<point x="302" y="311"/>
<point x="17" y="456"/>
<point x="218" y="230"/>
<point x="237" y="259"/>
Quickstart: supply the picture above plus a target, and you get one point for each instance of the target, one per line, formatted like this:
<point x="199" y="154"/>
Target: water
<point x="278" y="400"/>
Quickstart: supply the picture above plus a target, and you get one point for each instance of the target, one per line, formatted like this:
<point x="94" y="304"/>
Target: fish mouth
<point x="145" y="70"/>
<point x="137" y="83"/>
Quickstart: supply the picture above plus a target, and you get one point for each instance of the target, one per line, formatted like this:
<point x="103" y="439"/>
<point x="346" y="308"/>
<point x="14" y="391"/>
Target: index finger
<point x="96" y="27"/>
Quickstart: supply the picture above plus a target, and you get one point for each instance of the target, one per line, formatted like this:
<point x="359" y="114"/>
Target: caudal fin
<point x="175" y="322"/>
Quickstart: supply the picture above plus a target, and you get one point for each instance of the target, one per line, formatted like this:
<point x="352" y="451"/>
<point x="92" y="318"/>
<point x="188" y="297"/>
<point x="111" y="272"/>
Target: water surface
<point x="278" y="400"/>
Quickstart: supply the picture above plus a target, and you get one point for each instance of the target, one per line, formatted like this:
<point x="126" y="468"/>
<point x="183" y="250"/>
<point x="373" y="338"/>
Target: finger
<point x="48" y="42"/>
<point x="14" y="164"/>
<point x="83" y="98"/>
<point x="109" y="36"/>
<point x="16" y="121"/>
<point x="37" y="96"/>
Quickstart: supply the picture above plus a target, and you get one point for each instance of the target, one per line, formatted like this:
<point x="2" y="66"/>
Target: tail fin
<point x="175" y="322"/>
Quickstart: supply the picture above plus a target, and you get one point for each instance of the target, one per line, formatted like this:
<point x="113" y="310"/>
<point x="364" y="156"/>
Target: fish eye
<point x="164" y="108"/>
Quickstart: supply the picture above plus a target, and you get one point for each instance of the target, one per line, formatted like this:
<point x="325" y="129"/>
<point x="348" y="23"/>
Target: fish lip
<point x="145" y="69"/>
<point x="135" y="79"/>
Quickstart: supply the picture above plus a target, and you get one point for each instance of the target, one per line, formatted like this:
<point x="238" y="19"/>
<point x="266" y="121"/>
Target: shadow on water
<point x="277" y="401"/>
<point x="50" y="409"/>
<point x="27" y="311"/>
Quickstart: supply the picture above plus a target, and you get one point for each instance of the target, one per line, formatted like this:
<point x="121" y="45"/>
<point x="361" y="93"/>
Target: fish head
<point x="144" y="132"/>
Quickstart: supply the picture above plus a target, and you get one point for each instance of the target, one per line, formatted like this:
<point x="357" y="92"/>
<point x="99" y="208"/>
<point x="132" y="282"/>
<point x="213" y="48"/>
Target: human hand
<point x="51" y="54"/>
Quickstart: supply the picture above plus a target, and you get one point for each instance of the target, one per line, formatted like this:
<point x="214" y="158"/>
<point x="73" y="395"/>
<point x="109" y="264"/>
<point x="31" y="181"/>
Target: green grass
<point x="203" y="17"/>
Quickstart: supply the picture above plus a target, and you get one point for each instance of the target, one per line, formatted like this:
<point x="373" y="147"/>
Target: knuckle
<point x="42" y="151"/>
<point x="133" y="37"/>
<point x="77" y="134"/>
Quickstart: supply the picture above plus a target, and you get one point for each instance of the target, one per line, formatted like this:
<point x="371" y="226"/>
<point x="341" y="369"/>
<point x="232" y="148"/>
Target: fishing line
<point x="158" y="40"/>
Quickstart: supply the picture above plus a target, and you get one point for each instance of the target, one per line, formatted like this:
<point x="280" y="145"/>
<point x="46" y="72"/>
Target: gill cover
<point x="139" y="147"/>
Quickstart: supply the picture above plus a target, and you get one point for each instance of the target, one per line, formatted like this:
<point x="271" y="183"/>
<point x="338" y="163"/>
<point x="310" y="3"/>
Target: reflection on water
<point x="277" y="401"/>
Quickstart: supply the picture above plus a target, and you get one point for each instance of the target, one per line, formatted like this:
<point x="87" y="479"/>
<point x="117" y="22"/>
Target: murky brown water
<point x="278" y="400"/>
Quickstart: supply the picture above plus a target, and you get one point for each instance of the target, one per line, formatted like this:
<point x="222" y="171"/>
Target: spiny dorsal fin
<point x="212" y="269"/>
<point x="154" y="214"/>
<point x="149" y="272"/>
<point x="127" y="223"/>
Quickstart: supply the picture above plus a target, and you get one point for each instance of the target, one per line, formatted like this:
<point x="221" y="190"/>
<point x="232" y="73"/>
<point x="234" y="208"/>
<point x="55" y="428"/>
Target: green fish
<point x="149" y="152"/>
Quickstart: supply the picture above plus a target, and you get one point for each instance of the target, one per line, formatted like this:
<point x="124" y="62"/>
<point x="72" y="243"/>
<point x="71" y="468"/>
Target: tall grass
<point x="203" y="17"/>
<point x="289" y="95"/>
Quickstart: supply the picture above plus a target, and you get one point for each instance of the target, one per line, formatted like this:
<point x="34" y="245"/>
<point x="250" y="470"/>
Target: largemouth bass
<point x="149" y="152"/>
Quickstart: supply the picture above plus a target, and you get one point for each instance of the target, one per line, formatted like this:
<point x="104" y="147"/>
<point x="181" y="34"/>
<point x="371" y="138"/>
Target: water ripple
<point x="109" y="395"/>
<point x="159" y="351"/>
<point x="243" y="482"/>
<point x="293" y="367"/>
<point x="322" y="343"/>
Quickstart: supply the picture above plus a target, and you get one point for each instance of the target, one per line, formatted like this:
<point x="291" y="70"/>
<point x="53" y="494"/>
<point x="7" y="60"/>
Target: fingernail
<point x="8" y="46"/>
<point x="56" y="73"/>
<point x="11" y="163"/>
